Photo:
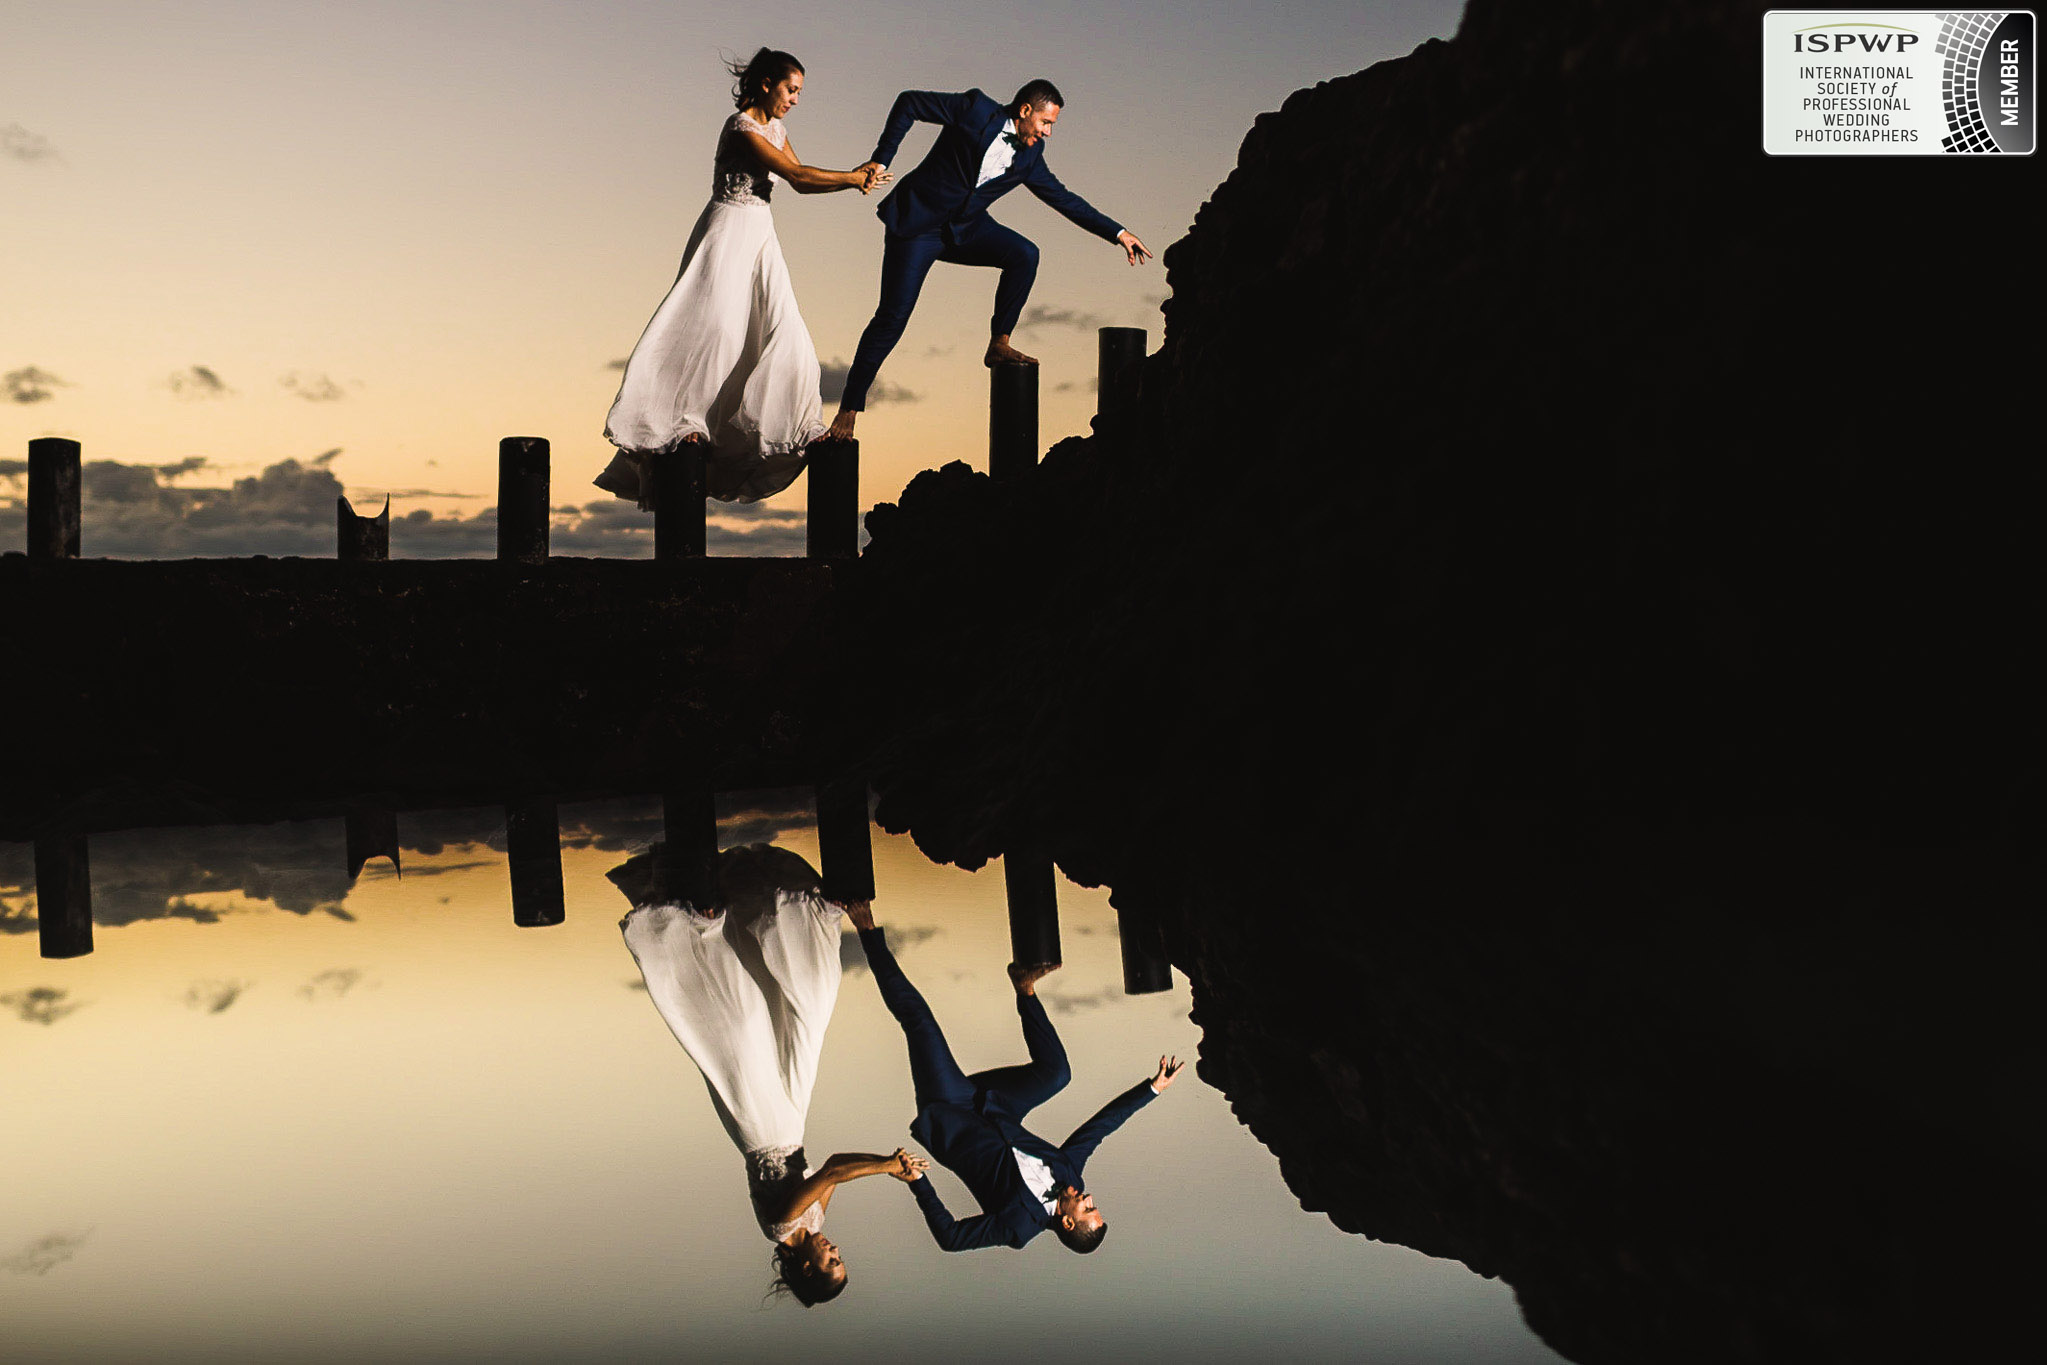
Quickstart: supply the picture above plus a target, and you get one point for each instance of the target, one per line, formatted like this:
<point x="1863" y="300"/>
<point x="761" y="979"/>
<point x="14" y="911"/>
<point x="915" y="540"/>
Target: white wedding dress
<point x="726" y="355"/>
<point x="749" y="996"/>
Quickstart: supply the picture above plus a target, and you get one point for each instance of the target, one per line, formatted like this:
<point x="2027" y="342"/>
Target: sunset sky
<point x="235" y="235"/>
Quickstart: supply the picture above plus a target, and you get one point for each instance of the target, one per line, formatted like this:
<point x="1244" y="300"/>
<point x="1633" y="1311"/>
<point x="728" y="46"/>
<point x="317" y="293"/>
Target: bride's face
<point x="782" y="98"/>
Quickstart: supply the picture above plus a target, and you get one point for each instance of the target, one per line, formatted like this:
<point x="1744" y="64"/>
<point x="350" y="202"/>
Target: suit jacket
<point x="975" y="1143"/>
<point x="941" y="193"/>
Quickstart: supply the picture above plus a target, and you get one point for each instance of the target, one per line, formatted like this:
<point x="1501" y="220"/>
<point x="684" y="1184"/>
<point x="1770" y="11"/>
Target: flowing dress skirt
<point x="727" y="357"/>
<point x="749" y="995"/>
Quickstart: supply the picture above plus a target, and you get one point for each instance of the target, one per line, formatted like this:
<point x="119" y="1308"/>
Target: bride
<point x="744" y="968"/>
<point x="726" y="363"/>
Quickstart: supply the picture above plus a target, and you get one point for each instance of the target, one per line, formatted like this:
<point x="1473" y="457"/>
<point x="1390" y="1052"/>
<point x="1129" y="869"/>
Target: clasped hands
<point x="871" y="174"/>
<point x="906" y="1166"/>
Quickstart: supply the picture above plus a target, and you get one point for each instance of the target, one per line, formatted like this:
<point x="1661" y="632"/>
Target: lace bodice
<point x="737" y="175"/>
<point x="772" y="1175"/>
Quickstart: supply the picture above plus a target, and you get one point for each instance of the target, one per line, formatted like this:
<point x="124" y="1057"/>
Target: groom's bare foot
<point x="861" y="913"/>
<point x="842" y="425"/>
<point x="695" y="438"/>
<point x="1026" y="977"/>
<point x="1000" y="352"/>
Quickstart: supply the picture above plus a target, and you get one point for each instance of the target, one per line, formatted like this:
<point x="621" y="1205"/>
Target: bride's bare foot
<point x="1026" y="977"/>
<point x="842" y="426"/>
<point x="695" y="438"/>
<point x="1000" y="352"/>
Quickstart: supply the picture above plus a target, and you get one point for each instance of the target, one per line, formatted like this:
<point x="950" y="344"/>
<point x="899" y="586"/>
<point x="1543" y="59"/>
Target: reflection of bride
<point x="746" y="972"/>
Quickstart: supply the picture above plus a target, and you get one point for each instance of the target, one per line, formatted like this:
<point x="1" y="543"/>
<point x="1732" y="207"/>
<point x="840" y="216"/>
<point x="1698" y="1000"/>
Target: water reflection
<point x="381" y="1120"/>
<point x="973" y="1125"/>
<point x="744" y="968"/>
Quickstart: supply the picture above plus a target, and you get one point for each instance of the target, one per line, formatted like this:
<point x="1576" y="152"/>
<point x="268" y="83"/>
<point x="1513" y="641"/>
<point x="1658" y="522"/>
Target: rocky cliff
<point x="1552" y="649"/>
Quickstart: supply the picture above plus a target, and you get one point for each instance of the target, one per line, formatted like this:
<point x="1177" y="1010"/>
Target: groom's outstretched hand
<point x="1134" y="249"/>
<point x="872" y="173"/>
<point x="1169" y="1067"/>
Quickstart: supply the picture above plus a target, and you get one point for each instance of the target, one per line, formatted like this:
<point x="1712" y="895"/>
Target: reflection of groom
<point x="939" y="212"/>
<point x="973" y="1125"/>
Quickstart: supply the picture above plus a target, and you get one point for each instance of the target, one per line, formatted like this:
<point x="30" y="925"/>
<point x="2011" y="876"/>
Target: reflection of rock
<point x="1653" y="755"/>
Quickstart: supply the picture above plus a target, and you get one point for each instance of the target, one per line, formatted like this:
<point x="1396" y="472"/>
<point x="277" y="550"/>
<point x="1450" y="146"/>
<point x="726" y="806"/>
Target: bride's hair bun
<point x="767" y="69"/>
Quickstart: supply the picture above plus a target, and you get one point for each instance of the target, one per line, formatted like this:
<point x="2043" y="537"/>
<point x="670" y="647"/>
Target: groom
<point x="973" y="1125"/>
<point x="939" y="212"/>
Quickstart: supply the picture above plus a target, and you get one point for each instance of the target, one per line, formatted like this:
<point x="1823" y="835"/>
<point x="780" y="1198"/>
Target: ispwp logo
<point x="1861" y="38"/>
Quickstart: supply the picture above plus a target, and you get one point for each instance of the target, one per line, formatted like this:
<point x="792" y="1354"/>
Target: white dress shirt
<point x="1037" y="1177"/>
<point x="999" y="155"/>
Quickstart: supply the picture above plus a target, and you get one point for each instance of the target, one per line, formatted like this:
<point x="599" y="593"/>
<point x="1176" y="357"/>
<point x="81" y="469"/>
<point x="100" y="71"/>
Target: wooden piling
<point x="680" y="504"/>
<point x="63" y="895"/>
<point x="845" y="839"/>
<point x="832" y="528"/>
<point x="371" y="832"/>
<point x="522" y="499"/>
<point x="1012" y="420"/>
<point x="533" y="851"/>
<point x="1146" y="969"/>
<point x="1033" y="907"/>
<point x="361" y="539"/>
<point x="53" y="498"/>
<point x="1120" y="351"/>
<point x="686" y="859"/>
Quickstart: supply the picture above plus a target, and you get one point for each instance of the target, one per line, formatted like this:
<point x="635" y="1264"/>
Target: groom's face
<point x="1036" y="121"/>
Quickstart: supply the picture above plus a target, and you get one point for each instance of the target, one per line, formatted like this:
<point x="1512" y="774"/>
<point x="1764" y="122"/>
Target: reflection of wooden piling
<point x="1146" y="969"/>
<point x="1033" y="907"/>
<point x="832" y="528"/>
<point x="361" y="539"/>
<point x="679" y="503"/>
<point x="1012" y="420"/>
<point x="372" y="833"/>
<point x="1121" y="349"/>
<point x="685" y="861"/>
<point x="53" y="493"/>
<point x="522" y="499"/>
<point x="845" y="840"/>
<point x="63" y="895"/>
<point x="533" y="849"/>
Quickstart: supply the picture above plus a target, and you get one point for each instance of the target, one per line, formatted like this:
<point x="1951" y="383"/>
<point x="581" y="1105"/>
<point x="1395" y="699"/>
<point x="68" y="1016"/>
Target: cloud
<point x="1037" y="315"/>
<point x="297" y="866"/>
<point x="132" y="511"/>
<point x="41" y="1004"/>
<point x="19" y="144"/>
<point x="31" y="385"/>
<point x="332" y="984"/>
<point x="45" y="1254"/>
<point x="1093" y="385"/>
<point x="853" y="958"/>
<point x="1074" y="1002"/>
<point x="314" y="388"/>
<point x="212" y="997"/>
<point x="618" y="364"/>
<point x="197" y="381"/>
<point x="832" y="386"/>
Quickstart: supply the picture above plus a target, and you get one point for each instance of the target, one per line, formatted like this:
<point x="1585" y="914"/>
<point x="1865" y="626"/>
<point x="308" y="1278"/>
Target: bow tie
<point x="1012" y="139"/>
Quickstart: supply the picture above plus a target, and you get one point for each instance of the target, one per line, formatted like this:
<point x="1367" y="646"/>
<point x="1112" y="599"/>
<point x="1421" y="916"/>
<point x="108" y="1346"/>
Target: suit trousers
<point x="934" y="1074"/>
<point x="905" y="261"/>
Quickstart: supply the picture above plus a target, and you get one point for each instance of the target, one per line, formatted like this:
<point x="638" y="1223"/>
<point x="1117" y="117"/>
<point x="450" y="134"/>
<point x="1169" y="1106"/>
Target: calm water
<point x="275" y="1115"/>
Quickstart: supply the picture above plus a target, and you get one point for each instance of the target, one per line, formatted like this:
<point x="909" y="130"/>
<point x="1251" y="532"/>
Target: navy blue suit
<point x="969" y="1123"/>
<point x="937" y="213"/>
